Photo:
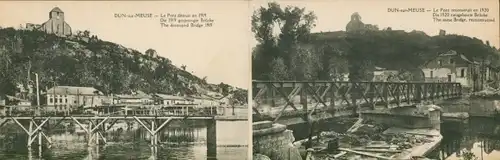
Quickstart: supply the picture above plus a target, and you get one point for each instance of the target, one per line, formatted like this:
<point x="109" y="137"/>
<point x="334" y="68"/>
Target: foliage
<point x="467" y="155"/>
<point x="279" y="70"/>
<point x="72" y="61"/>
<point x="294" y="25"/>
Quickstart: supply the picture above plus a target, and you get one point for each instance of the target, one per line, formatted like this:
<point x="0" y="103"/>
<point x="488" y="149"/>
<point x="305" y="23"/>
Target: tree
<point x="183" y="67"/>
<point x="79" y="33"/>
<point x="204" y="80"/>
<point x="279" y="70"/>
<point x="294" y="24"/>
<point x="304" y="64"/>
<point x="86" y="33"/>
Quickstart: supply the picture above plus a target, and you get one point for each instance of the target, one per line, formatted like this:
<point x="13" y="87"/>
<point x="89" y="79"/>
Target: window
<point x="66" y="100"/>
<point x="74" y="102"/>
<point x="60" y="100"/>
<point x="462" y="72"/>
<point x="440" y="63"/>
<point x="51" y="100"/>
<point x="452" y="61"/>
<point x="432" y="74"/>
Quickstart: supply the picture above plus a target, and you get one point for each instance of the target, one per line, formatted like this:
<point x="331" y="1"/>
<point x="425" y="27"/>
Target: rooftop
<point x="170" y="97"/>
<point x="73" y="90"/>
<point x="56" y="9"/>
<point x="15" y="98"/>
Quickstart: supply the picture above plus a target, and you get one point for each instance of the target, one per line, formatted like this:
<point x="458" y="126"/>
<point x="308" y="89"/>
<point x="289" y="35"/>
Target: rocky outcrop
<point x="274" y="141"/>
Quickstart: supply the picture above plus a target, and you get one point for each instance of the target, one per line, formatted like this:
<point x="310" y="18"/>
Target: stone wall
<point x="274" y="141"/>
<point x="404" y="121"/>
<point x="431" y="119"/>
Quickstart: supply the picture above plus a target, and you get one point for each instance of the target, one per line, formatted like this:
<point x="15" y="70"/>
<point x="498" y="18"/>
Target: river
<point x="186" y="141"/>
<point x="480" y="135"/>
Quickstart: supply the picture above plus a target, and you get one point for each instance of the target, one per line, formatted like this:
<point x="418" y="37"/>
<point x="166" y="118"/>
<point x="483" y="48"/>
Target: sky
<point x="220" y="52"/>
<point x="333" y="15"/>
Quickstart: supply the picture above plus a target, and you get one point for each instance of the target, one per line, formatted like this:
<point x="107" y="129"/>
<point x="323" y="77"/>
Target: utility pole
<point x="38" y="112"/>
<point x="37" y="91"/>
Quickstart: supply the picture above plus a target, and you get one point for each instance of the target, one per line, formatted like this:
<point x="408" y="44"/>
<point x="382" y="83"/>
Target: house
<point x="384" y="75"/>
<point x="55" y="25"/>
<point x="452" y="67"/>
<point x="138" y="97"/>
<point x="73" y="96"/>
<point x="204" y="100"/>
<point x="164" y="99"/>
<point x="11" y="100"/>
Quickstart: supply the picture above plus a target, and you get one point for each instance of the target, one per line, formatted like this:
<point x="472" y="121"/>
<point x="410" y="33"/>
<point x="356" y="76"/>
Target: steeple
<point x="355" y="17"/>
<point x="56" y="12"/>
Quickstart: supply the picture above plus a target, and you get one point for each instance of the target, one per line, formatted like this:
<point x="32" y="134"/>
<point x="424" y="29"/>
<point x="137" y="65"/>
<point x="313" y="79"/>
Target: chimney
<point x="442" y="32"/>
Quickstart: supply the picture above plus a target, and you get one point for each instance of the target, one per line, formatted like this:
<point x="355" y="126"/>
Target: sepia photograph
<point x="124" y="80"/>
<point x="375" y="80"/>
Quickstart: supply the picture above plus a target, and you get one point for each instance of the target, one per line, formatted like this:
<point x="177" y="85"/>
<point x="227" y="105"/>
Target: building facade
<point x="55" y="25"/>
<point x="139" y="98"/>
<point x="163" y="99"/>
<point x="452" y="67"/>
<point x="74" y="96"/>
<point x="384" y="75"/>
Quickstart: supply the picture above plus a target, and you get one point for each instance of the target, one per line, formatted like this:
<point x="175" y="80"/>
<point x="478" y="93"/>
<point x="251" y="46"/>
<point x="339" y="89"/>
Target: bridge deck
<point x="342" y="95"/>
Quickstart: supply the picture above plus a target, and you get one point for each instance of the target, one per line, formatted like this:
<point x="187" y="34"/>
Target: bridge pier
<point x="34" y="134"/>
<point x="92" y="132"/>
<point x="211" y="139"/>
<point x="153" y="132"/>
<point x="274" y="141"/>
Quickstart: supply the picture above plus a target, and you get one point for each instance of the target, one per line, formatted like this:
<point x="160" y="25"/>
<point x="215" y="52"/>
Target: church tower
<point x="355" y="23"/>
<point x="56" y="23"/>
<point x="56" y="13"/>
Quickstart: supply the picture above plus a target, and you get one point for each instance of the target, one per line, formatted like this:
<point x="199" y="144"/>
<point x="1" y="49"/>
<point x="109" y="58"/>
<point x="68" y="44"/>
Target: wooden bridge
<point x="34" y="121"/>
<point x="275" y="99"/>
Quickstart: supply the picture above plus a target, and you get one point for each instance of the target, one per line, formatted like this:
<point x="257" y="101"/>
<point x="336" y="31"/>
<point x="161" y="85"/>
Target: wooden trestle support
<point x="96" y="126"/>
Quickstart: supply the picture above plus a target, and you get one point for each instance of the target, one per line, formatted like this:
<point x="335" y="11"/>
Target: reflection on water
<point x="178" y="142"/>
<point x="480" y="136"/>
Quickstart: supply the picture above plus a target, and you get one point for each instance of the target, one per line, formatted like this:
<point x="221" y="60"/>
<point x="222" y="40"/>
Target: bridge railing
<point x="114" y="110"/>
<point x="287" y="98"/>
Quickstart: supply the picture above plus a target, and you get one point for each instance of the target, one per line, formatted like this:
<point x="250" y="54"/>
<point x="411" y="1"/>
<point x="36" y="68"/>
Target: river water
<point x="480" y="135"/>
<point x="181" y="141"/>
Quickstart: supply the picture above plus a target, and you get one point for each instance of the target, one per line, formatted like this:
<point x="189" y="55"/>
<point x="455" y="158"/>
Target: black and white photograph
<point x="127" y="80"/>
<point x="375" y="80"/>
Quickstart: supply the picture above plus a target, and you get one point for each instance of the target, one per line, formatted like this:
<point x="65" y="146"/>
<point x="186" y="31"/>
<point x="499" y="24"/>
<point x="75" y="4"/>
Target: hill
<point x="84" y="60"/>
<point x="294" y="53"/>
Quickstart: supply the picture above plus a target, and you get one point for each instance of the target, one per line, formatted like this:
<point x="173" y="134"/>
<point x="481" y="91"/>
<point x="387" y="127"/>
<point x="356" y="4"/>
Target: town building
<point x="357" y="25"/>
<point x="163" y="99"/>
<point x="74" y="96"/>
<point x="204" y="100"/>
<point x="384" y="75"/>
<point x="55" y="25"/>
<point x="453" y="67"/>
<point x="11" y="100"/>
<point x="138" y="97"/>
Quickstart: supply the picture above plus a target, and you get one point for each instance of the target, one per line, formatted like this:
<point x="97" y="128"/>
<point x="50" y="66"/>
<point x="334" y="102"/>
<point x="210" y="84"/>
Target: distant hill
<point x="84" y="60"/>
